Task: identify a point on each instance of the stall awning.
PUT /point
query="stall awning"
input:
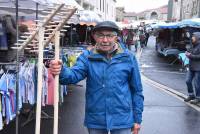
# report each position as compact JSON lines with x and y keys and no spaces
{"x":30,"y":4}
{"x":27,"y":9}
{"x":88,"y":17}
{"x":195,"y":22}
{"x":164,"y":25}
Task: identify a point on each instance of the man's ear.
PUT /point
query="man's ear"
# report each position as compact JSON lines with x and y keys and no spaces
{"x":93,"y":35}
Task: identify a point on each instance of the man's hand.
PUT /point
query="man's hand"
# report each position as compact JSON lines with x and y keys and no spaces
{"x":136,"y":128}
{"x":187,"y":54}
{"x":55,"y":67}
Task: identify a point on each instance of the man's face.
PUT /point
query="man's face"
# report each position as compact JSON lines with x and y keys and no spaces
{"x":194,"y":40}
{"x":105,"y":39}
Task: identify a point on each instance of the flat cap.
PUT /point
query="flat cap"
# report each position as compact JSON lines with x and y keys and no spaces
{"x":106,"y":25}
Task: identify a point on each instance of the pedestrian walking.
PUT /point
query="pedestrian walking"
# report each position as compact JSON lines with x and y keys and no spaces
{"x":114,"y":93}
{"x":194,"y":70}
{"x":141,"y":37}
{"x":124,"y":34}
{"x":136,"y":40}
{"x":129,"y":40}
{"x":146,"y":38}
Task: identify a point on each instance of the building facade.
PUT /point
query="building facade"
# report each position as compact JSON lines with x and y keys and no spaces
{"x":151,"y":14}
{"x":176,"y":10}
{"x":184,"y":9}
{"x":157,"y":14}
{"x":130,"y":16}
{"x":190,"y":9}
{"x":120,"y":14}
{"x":104,"y":8}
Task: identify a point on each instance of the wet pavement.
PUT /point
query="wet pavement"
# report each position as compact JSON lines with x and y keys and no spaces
{"x":165,"y":114}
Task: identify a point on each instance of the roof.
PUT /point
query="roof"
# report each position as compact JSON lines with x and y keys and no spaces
{"x":162,"y":9}
{"x":130,"y":14}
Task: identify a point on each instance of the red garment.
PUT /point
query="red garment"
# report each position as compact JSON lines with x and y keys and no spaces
{"x":50,"y":98}
{"x":129,"y":40}
{"x":12,"y":101}
{"x":124,"y":32}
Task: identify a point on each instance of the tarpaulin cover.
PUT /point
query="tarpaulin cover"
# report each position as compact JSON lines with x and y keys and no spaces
{"x":195,"y":22}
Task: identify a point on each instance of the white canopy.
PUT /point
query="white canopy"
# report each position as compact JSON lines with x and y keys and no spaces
{"x":89,"y":17}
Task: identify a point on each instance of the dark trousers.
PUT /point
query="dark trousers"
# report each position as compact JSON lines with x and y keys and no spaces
{"x":190,"y":77}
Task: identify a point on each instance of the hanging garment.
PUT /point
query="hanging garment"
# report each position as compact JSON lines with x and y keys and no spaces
{"x":9,"y":116}
{"x":50,"y":97}
{"x":6,"y":103}
{"x":30,"y":84}
{"x":22,"y":84}
{"x":10,"y":98}
{"x":12,"y":92}
{"x":1,"y":118}
{"x":3,"y":84}
{"x":26,"y":83}
{"x":44,"y":86}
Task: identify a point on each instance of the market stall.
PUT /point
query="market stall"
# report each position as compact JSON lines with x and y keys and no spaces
{"x":173,"y":39}
{"x":79,"y":33}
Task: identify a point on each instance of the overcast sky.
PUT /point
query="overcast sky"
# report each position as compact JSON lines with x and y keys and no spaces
{"x":140,"y":5}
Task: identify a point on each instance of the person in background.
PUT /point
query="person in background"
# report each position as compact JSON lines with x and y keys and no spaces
{"x":135,"y":40}
{"x":124,"y":34}
{"x":120,"y":40}
{"x":114,"y":92}
{"x":129,"y":40}
{"x":141,"y":37}
{"x":194,"y":70}
{"x":10,"y":26}
{"x":146,"y":38}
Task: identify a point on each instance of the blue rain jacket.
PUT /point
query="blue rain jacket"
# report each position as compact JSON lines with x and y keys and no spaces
{"x":114,"y":97}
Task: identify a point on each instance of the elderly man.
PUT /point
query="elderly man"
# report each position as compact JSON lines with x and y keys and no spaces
{"x":114,"y":98}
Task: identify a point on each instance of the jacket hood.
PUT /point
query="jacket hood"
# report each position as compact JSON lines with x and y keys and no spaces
{"x":197,"y":36}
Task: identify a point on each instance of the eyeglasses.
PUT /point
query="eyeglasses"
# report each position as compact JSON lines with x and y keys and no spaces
{"x":108,"y":36}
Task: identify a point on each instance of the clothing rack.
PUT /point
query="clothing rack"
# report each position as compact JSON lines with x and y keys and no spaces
{"x":17,"y":118}
{"x":46,"y":31}
{"x":43,"y":30}
{"x":32,"y":112}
